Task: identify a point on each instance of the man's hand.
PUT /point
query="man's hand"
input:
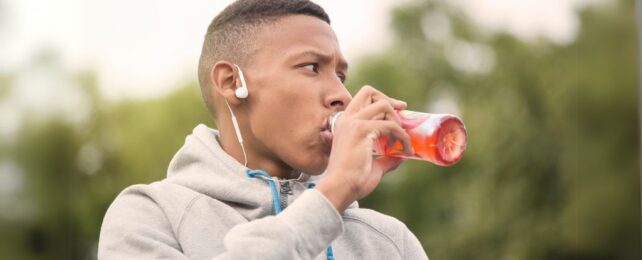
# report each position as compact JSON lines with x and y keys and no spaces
{"x":352,"y":172}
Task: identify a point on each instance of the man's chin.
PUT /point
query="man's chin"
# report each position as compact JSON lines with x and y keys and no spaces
{"x":315,"y":171}
{"x":311,"y":162}
{"x":316,"y":168}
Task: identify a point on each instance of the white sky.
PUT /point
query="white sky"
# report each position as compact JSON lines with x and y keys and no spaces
{"x":143,"y":48}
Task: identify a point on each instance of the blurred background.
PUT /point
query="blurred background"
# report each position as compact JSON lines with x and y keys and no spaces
{"x":98,"y":95}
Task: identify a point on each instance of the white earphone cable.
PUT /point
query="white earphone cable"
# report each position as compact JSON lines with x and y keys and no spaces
{"x":239,"y":137}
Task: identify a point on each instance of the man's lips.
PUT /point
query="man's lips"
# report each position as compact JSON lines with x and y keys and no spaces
{"x":327,"y":137}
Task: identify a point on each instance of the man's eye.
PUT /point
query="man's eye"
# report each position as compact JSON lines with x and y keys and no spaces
{"x":342,"y":78}
{"x":312,"y":66}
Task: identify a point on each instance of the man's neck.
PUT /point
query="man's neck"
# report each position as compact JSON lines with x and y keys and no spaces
{"x":255,"y":160}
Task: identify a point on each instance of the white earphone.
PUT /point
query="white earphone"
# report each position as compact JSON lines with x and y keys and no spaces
{"x":242,"y":91}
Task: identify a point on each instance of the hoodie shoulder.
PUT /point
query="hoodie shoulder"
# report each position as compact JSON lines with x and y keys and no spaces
{"x":375,"y":220}
{"x":389,"y":230}
{"x":171,"y":200}
{"x":143,"y":221}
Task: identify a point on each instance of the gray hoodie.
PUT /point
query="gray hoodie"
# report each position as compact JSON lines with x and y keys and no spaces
{"x":212,"y":207}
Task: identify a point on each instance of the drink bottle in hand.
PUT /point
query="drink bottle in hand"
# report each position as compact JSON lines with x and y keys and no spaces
{"x":437,"y":138}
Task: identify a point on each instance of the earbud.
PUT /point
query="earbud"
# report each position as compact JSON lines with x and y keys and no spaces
{"x":242,"y":91}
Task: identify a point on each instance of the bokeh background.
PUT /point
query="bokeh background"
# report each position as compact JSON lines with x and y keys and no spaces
{"x":98,"y":95}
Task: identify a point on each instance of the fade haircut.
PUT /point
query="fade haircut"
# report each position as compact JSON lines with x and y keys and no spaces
{"x":229,"y":36}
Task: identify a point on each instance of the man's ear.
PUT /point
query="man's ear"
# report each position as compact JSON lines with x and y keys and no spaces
{"x":224,"y":79}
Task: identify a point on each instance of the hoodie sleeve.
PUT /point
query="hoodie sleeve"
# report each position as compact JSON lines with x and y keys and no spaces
{"x":301,"y":231}
{"x":135,"y":227}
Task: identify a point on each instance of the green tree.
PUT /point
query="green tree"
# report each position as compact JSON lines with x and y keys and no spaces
{"x":552,"y":166}
{"x":73,"y":171}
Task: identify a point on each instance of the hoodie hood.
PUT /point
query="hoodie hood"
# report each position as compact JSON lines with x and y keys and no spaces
{"x":203,"y":166}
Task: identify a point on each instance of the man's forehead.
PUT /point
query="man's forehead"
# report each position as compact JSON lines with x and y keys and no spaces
{"x":296,"y":24}
{"x":298,"y":35}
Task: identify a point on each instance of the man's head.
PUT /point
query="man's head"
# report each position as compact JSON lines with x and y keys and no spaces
{"x":294,"y":72}
{"x":231,"y":35}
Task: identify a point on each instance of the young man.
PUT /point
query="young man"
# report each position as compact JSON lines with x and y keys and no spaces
{"x":271,"y":73}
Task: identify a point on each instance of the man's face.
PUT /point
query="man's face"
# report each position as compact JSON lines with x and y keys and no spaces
{"x":295,"y":83}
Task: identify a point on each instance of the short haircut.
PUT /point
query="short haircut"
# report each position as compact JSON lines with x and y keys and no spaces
{"x":229,"y":36}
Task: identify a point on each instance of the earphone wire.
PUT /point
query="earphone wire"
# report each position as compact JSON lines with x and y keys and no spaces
{"x":238,"y":133}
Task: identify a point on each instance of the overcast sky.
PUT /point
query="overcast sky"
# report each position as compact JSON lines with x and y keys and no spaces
{"x":142,"y":48}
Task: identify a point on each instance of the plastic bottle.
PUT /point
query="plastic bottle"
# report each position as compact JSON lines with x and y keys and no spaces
{"x":437,"y":138}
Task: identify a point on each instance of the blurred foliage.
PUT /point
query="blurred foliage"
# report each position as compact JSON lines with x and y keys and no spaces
{"x":553,"y":162}
{"x":551,"y":172}
{"x":74,"y":171}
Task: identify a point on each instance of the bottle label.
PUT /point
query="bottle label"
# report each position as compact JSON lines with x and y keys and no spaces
{"x":412,"y":119}
{"x":419,"y":123}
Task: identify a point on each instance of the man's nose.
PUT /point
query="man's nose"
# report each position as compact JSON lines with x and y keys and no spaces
{"x":338,"y":98}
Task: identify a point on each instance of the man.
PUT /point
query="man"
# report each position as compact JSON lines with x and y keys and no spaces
{"x":271,"y":74}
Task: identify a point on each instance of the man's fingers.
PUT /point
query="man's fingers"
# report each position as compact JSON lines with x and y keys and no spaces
{"x":398,"y":104}
{"x":387,"y":164}
{"x":368,"y":95}
{"x":380,"y":110}
{"x":392,"y":130}
{"x":396,"y":132}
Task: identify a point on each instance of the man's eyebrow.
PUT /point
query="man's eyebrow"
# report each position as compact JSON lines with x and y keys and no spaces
{"x":343,"y":65}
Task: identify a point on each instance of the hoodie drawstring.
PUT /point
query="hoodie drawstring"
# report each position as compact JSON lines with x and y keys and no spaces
{"x":275,"y":199}
{"x":275,"y":194}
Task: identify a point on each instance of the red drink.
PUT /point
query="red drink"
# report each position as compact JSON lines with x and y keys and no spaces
{"x":437,"y":138}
